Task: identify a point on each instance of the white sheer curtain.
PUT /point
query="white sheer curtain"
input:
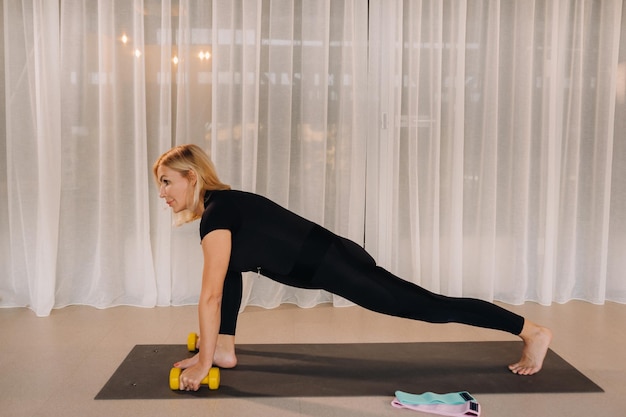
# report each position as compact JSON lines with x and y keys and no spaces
{"x":273,"y":89}
{"x":496,"y":147}
{"x":474,"y":147}
{"x":31,"y":180}
{"x":281,"y":107}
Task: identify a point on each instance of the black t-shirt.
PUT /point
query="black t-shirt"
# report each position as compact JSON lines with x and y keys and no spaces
{"x":265,"y":236}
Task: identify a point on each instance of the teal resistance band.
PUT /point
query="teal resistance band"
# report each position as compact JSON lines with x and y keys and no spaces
{"x":452,"y":398}
{"x":456,"y":404}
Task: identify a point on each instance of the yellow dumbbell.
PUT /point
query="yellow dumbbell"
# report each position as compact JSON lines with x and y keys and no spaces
{"x":212,"y":379}
{"x":192,"y":342}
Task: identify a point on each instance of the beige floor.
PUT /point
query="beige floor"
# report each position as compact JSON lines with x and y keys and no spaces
{"x":55,"y":366}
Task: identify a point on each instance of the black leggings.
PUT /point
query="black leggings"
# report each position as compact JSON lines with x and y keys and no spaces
{"x":347,"y":270}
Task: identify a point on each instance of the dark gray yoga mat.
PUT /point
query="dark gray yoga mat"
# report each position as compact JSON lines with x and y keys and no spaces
{"x":344,"y":370}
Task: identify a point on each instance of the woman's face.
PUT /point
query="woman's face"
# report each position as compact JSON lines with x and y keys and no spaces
{"x":174,"y":188}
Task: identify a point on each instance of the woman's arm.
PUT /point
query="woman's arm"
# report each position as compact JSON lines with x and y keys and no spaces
{"x":216,"y":247}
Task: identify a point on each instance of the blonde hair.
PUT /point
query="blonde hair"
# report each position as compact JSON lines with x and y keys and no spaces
{"x":186,"y":159}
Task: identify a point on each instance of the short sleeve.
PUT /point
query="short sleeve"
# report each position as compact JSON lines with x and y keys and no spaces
{"x":219,"y":215}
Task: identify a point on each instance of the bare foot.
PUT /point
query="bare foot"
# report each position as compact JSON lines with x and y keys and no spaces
{"x":224,"y":360}
{"x":536,"y":341}
{"x":224,"y":355}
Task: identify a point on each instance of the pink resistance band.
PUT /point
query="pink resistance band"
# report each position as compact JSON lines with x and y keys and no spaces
{"x":463,"y":404}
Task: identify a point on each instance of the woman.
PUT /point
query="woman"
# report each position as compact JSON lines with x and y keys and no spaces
{"x":242,"y":231}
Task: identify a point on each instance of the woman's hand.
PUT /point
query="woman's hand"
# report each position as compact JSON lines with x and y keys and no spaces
{"x":194,"y":372}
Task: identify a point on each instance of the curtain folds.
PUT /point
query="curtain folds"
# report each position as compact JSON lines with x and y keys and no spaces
{"x":32,"y":178}
{"x":474,"y":148}
{"x":497,"y":125}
